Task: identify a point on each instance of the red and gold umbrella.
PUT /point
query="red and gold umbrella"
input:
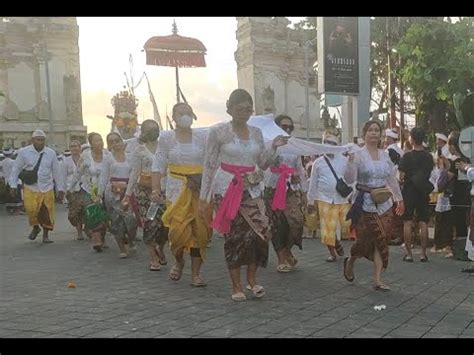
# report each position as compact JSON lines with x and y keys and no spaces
{"x":175,"y":51}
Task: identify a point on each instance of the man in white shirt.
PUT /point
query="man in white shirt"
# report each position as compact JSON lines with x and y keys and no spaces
{"x":442,"y":145}
{"x":39,"y":186}
{"x":332,"y":206}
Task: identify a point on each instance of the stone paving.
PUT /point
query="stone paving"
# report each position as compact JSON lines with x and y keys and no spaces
{"x":121,"y":298}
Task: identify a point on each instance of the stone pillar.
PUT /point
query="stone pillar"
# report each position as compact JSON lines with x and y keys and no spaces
{"x":270,"y":56}
{"x":23,"y":78}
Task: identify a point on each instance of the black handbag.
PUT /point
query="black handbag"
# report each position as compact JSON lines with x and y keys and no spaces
{"x":30,"y":177}
{"x":341,"y":187}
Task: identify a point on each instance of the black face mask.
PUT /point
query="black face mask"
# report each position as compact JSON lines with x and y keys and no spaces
{"x":151,"y":135}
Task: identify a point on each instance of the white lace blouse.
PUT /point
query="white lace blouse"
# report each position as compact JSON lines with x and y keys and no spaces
{"x":114,"y":169}
{"x":224,"y":146}
{"x":141,"y":161}
{"x":373,"y":173}
{"x":291,"y":160}
{"x":88,"y":172}
{"x":170,"y":151}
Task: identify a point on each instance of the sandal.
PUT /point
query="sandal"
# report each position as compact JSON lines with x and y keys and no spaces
{"x":48,"y":241}
{"x":408,"y":258}
{"x":176,"y":271}
{"x":340,"y":249}
{"x":34,"y":233}
{"x":258,"y":291}
{"x":239,"y":296}
{"x":382,"y":287}
{"x":424,"y":259}
{"x":198,"y":281}
{"x":155,"y":267}
{"x":161,"y":256}
{"x":284,"y":268}
{"x":122,"y":255}
{"x":331,"y":259}
{"x":348,"y":278}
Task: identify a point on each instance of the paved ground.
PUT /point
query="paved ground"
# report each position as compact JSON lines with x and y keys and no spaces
{"x":121,"y":298}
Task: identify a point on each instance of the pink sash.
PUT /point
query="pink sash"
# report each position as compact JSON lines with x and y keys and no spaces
{"x":233,"y":196}
{"x":279,"y":199}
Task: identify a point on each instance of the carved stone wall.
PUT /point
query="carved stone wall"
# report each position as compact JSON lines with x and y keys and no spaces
{"x":23,"y":43}
{"x":269,"y":56}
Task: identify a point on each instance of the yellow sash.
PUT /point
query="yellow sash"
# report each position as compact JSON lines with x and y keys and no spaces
{"x":179,"y":210}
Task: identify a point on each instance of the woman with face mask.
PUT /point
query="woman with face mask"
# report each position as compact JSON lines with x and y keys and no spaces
{"x":179,"y":158}
{"x":113,"y":185}
{"x":284,"y":198}
{"x":233,"y":175}
{"x":155,"y":234}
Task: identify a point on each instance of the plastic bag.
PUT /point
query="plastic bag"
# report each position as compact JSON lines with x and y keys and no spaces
{"x":95,"y":214}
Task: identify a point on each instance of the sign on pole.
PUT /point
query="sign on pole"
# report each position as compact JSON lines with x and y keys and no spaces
{"x":338,"y":55}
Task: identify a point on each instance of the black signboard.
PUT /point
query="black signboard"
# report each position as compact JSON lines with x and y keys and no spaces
{"x":341,"y":55}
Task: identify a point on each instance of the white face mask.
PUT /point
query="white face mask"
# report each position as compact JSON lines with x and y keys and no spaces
{"x":184,"y":121}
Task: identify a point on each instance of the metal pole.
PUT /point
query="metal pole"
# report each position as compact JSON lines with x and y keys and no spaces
{"x":177,"y":86}
{"x":48,"y":87}
{"x":306,"y":77}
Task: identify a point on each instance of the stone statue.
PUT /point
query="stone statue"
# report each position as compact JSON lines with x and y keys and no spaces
{"x":268,"y":98}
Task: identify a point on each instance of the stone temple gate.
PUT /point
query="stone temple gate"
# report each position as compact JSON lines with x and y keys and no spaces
{"x":271,"y":67}
{"x":24,"y":108}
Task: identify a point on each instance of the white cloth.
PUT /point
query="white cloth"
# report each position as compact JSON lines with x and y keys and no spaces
{"x":88,"y":172}
{"x":131,"y":144}
{"x":373,"y":173}
{"x":445,"y":151}
{"x":298,"y":146}
{"x":69,"y":167}
{"x":170,"y":151}
{"x":397,"y":148}
{"x":322,"y":183}
{"x":142,"y":161}
{"x":293,"y":161}
{"x":224,"y":145}
{"x":267,"y":125}
{"x":48,"y":171}
{"x":114,"y":169}
{"x":7,"y":166}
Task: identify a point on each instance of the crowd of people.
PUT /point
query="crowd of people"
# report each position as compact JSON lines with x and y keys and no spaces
{"x":180,"y":186}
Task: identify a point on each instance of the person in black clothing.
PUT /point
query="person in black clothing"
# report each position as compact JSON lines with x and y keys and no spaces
{"x":460,"y":194}
{"x":415,"y":170}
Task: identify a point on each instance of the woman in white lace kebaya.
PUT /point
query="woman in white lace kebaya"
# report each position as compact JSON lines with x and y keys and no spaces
{"x":285,"y":200}
{"x":372,"y":168}
{"x":85,"y":180}
{"x":235,"y":152}
{"x":155,"y":234}
{"x":113,"y":184}
{"x":180,"y":157}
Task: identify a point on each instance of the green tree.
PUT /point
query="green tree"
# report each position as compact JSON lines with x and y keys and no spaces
{"x":439,"y":72}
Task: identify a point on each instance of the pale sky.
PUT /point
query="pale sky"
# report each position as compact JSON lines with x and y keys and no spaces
{"x":106,"y":42}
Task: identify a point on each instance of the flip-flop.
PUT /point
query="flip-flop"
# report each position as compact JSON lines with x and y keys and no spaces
{"x":239,"y":296}
{"x":408,"y":259}
{"x":424,"y":259}
{"x":350,"y":279}
{"x":176,"y":271}
{"x":198,"y":282}
{"x":284,"y":268}
{"x":154,"y":267}
{"x":48,"y":241}
{"x":258,"y":291}
{"x":34,"y":233}
{"x":382,"y":287}
{"x":331,"y":259}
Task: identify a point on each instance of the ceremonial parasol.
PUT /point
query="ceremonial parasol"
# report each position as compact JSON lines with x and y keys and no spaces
{"x":175,"y":51}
